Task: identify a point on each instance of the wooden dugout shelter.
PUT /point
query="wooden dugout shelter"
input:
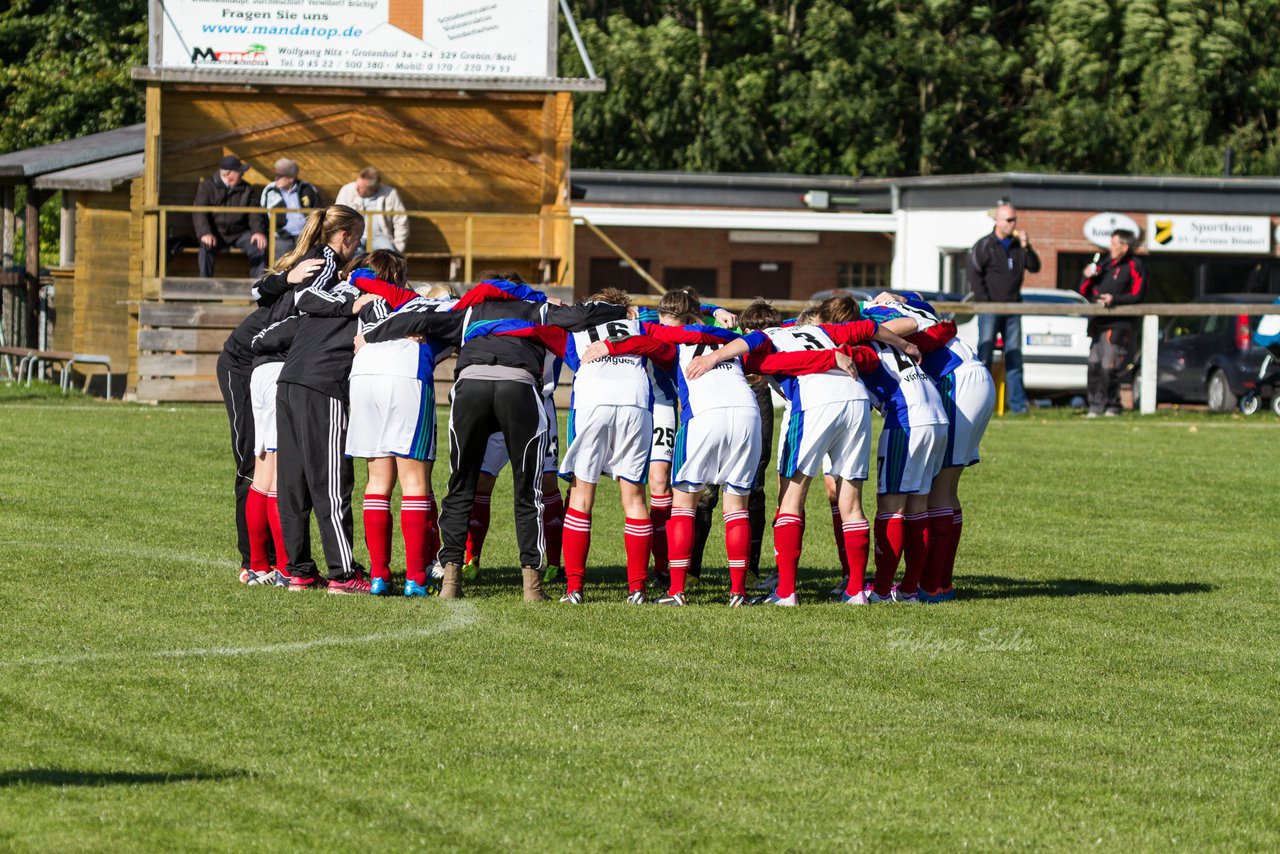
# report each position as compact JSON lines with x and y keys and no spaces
{"x":481,"y":164}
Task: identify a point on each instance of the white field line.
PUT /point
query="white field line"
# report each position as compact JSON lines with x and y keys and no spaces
{"x":460,"y":616}
{"x":103,"y":407}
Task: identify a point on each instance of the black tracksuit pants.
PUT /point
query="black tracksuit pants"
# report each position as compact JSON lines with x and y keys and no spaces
{"x":235,"y":394}
{"x":481,"y":408}
{"x":314,"y":473}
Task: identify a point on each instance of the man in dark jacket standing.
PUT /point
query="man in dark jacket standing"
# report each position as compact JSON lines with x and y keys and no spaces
{"x":247,"y":232}
{"x":1119,"y":280}
{"x":997,"y":263}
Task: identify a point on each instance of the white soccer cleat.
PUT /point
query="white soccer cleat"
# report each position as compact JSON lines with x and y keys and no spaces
{"x":859,"y":598}
{"x":781,"y":601}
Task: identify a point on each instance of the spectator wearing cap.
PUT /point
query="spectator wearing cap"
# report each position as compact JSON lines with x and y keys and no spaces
{"x":368,"y":193}
{"x":217,"y":231}
{"x":289,"y":192}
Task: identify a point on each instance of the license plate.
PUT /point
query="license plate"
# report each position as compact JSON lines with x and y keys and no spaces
{"x":1049,"y":340}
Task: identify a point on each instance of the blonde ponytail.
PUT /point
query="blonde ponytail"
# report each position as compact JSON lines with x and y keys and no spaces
{"x":319,"y":230}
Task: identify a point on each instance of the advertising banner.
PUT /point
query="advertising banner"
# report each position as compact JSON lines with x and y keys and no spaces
{"x":401,"y":38}
{"x":1099,"y":227}
{"x":1248,"y":235}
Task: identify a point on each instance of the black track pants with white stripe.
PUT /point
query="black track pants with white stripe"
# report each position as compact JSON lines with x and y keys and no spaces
{"x":235,"y":394}
{"x":313,"y":473}
{"x":480,"y":409}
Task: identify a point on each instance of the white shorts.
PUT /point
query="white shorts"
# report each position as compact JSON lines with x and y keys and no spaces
{"x":969,"y":397}
{"x":495,"y":453}
{"x":910,"y":458}
{"x":720,"y":446}
{"x":664,"y":433}
{"x":840,"y":432}
{"x":392,"y":417}
{"x":609,"y":440}
{"x":262,"y":396}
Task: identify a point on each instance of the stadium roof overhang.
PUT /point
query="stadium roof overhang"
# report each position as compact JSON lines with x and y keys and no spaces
{"x":747,"y":220}
{"x":19,"y":167}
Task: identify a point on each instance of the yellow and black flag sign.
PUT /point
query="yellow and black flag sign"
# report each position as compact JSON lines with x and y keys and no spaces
{"x":1164,"y":232}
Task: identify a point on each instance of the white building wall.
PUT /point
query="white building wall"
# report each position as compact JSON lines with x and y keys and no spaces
{"x":924,"y":236}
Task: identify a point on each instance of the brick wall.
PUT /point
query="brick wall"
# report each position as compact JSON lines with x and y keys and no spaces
{"x":813,"y":268}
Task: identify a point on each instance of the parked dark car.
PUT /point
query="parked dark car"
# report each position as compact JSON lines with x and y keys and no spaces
{"x":1210,"y":359}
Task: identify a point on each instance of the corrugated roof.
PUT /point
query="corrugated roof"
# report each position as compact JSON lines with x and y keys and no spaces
{"x":101,"y":177}
{"x":16,"y":166}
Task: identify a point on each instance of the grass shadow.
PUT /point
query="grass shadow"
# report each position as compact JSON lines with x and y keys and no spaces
{"x":60,"y":777}
{"x":1001,"y":587}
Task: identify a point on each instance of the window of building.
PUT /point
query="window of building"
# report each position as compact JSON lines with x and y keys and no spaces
{"x":616,"y":273}
{"x":856,"y":274}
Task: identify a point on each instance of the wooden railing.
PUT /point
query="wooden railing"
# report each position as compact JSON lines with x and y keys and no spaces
{"x":463,"y":235}
{"x":1149,"y":312}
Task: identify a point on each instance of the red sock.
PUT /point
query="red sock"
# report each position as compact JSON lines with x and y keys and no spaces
{"x":277,"y":533}
{"x":679,"y":545}
{"x":837,"y":527}
{"x":948,"y":568}
{"x":553,"y":525}
{"x":737,"y":545}
{"x":889,"y":536}
{"x":433,"y":527}
{"x":414,"y":518}
{"x":638,"y":536}
{"x":256,"y":517}
{"x":940,"y":524}
{"x":788,"y":535}
{"x":659,"y":513}
{"x":377,"y":534}
{"x":916,"y":547}
{"x":857,"y":542}
{"x":478,"y":527}
{"x":577,"y":542}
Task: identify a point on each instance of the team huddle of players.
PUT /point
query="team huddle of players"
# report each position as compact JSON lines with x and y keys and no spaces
{"x":660,"y":403}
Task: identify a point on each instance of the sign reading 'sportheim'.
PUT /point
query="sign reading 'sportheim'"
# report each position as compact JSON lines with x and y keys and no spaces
{"x":1247,"y":235}
{"x":399,"y":38}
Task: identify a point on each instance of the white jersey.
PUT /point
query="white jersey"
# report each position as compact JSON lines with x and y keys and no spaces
{"x":903,"y":392}
{"x":612,"y":380}
{"x":722,"y":387}
{"x":402,"y":357}
{"x":812,"y":390}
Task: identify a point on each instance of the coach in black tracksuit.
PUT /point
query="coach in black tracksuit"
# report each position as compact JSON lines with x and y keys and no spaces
{"x":498,"y":388}
{"x":235,"y":367}
{"x":1119,"y":280}
{"x":313,"y":472}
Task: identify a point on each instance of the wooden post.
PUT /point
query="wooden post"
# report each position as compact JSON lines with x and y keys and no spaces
{"x":154,"y":240}
{"x":9,"y":229}
{"x":31,"y":239}
{"x":466,"y":249}
{"x":1150,"y":363}
{"x":67,"y":230}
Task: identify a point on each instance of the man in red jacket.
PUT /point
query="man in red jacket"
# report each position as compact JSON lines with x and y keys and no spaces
{"x":1119,"y":280}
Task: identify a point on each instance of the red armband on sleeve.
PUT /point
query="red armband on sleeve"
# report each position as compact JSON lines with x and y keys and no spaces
{"x":935,"y":337}
{"x":850,"y":333}
{"x":865,"y":359}
{"x":395,"y":295}
{"x":660,"y":353}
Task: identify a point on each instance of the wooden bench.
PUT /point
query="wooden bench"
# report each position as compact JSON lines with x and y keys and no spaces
{"x":29,"y":358}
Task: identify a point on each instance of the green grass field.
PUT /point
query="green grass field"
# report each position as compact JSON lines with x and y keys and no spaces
{"x":1108,"y":678}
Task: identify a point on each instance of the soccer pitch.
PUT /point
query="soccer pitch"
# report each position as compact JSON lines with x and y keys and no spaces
{"x":1108,"y":677}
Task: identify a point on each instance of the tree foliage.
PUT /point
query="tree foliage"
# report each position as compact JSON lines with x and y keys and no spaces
{"x":64,"y":68}
{"x":857,"y":87}
{"x":883,"y":87}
